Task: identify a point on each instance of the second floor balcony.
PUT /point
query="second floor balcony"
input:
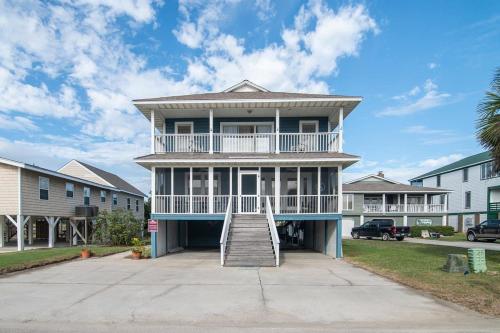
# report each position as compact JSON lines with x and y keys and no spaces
{"x":247,"y":143}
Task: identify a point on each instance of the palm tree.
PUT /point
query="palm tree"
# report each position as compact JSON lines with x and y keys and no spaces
{"x":488,"y":124}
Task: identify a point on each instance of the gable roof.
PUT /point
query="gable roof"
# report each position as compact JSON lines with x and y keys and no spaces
{"x":248,"y":84}
{"x":113,"y":179}
{"x":460,"y":164}
{"x":381,"y":187}
{"x":373,"y":176}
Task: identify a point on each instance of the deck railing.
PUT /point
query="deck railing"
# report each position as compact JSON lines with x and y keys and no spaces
{"x":245,"y":204}
{"x":400,"y":208}
{"x":225,"y":231}
{"x":247,"y":143}
{"x":273,"y":230}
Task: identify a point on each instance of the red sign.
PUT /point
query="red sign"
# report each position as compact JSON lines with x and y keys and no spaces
{"x":152,"y":226}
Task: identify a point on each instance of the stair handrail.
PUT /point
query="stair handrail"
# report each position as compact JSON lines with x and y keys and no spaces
{"x":274,"y":231}
{"x":225,"y":231}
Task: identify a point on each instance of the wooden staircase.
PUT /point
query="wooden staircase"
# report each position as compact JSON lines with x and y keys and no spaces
{"x":249,"y":242}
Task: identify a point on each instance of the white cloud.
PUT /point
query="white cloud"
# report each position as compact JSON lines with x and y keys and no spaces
{"x":432,"y":65}
{"x":418,"y":99}
{"x":440,"y":161}
{"x":17,"y":123}
{"x":432,"y":136}
{"x":308,"y":52}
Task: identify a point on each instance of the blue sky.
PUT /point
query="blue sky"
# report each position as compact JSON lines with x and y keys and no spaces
{"x":69,"y":69}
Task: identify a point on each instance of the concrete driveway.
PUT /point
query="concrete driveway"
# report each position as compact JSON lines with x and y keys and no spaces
{"x":190,"y":292}
{"x":464,"y":244}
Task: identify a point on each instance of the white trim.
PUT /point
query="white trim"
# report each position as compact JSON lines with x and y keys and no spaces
{"x":66,"y":190}
{"x":253,"y":101}
{"x":373,"y":176}
{"x":183,"y":123}
{"x":315,"y":122}
{"x":246,"y":83}
{"x":254,"y":123}
{"x":257,"y":189}
{"x":241,"y":160}
{"x":48,"y":187}
{"x":92,"y":172}
{"x":409,"y":192}
{"x":90,"y":194}
{"x":19,"y":192}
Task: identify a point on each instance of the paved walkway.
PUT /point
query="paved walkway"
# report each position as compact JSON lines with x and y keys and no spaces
{"x":190,"y":292}
{"x":467,"y":245}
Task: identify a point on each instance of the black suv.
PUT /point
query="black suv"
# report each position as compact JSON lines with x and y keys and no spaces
{"x":383,"y":228}
{"x":488,"y":230}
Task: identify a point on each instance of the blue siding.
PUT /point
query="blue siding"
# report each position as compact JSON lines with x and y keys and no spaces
{"x":287,"y":124}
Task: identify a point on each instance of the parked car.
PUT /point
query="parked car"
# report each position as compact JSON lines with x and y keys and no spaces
{"x":488,"y":230}
{"x":384,"y":228}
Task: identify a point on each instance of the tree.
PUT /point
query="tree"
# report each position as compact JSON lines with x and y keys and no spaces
{"x":488,"y":124}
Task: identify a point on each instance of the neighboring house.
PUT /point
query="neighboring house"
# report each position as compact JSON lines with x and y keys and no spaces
{"x":126,"y":197}
{"x":37,"y":203}
{"x":242,"y":146}
{"x":475,"y":186}
{"x":375,"y":196}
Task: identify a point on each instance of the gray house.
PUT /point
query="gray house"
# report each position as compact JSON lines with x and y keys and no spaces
{"x":375,"y":196}
{"x":41,"y":204}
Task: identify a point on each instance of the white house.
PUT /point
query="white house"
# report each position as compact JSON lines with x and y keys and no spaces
{"x":247,"y":170}
{"x":475,"y":186}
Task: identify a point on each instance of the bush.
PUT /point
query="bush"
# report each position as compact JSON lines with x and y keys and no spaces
{"x":416,"y":231}
{"x":117,"y":228}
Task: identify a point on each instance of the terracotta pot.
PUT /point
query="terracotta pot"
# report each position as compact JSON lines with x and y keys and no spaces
{"x":85,"y":254}
{"x":136,"y":255}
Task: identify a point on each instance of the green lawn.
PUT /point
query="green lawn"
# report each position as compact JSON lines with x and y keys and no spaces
{"x":457,"y":237}
{"x":419,"y":266}
{"x":14,"y":261}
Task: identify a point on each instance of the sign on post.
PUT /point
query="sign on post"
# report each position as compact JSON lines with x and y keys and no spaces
{"x":152,"y":226}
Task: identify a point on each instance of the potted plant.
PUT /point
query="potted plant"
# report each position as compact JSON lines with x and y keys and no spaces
{"x":85,"y":254}
{"x":138,"y":248}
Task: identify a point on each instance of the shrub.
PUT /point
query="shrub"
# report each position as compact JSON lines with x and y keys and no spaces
{"x":416,"y":231}
{"x":117,"y":228}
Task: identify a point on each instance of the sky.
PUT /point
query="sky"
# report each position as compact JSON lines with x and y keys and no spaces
{"x":69,"y":70}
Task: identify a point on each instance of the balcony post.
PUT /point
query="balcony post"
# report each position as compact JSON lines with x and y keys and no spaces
{"x":339,"y":190}
{"x":383,"y":202}
{"x":277,"y":135}
{"x":298,"y":190}
{"x":211,"y":130}
{"x":153,"y":189}
{"x":406,"y":203}
{"x":341,"y":129}
{"x":277,"y":189}
{"x":190,"y":190}
{"x":171,"y":190}
{"x":445,"y":206}
{"x":231,"y":186}
{"x":152,"y":131}
{"x":319,"y":190}
{"x":210,"y":190}
{"x":425,"y":203}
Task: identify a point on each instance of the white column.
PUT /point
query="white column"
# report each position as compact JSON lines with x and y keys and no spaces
{"x":425,"y":203}
{"x":190,"y":190}
{"x":399,"y":201}
{"x":341,"y":129}
{"x":406,"y":202}
{"x":211,"y":131}
{"x":20,"y":233}
{"x":30,"y":232}
{"x":277,"y":189}
{"x":405,"y":220}
{"x":277,"y":138}
{"x":153,"y":190}
{"x":210,"y":190}
{"x":152,"y":131}
{"x":361,"y":220}
{"x":172,"y":190}
{"x":2,"y":231}
{"x":231,"y":185}
{"x":383,"y":203}
{"x":319,"y":190}
{"x":298,"y":190}
{"x":445,"y":208}
{"x":50,"y":222}
{"x":339,"y":186}
{"x":443,"y":223}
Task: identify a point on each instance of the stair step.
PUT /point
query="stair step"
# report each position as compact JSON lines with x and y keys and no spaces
{"x":267,"y":263}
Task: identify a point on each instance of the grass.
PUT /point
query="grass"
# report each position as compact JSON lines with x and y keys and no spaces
{"x":419,"y":266}
{"x":457,"y":237}
{"x":15,"y":261}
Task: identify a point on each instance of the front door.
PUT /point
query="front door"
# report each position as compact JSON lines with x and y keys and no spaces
{"x":248,"y":192}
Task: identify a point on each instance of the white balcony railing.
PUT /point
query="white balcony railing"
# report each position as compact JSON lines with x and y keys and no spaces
{"x":245,"y":204}
{"x":247,"y":143}
{"x":400,"y":208}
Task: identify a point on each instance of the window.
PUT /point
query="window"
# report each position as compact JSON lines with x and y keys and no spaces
{"x":136,"y":205}
{"x":128,"y":203}
{"x":43,"y":185}
{"x":86,"y":196}
{"x":467,"y":199}
{"x":348,"y":200}
{"x":488,"y":170}
{"x":438,"y":180}
{"x":465,"y":175}
{"x":115,"y":199}
{"x":103,"y":196}
{"x":70,"y":190}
